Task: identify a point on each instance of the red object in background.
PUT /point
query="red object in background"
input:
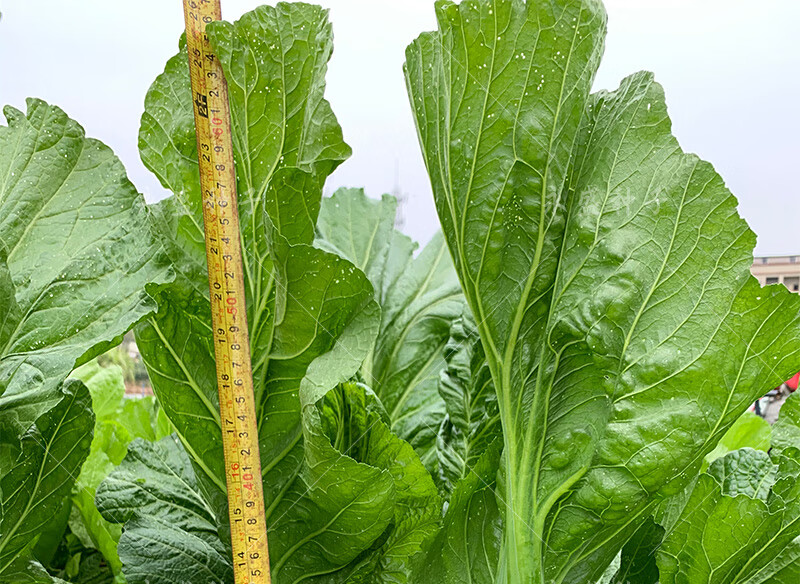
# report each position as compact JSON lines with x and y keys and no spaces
{"x":792,"y":383}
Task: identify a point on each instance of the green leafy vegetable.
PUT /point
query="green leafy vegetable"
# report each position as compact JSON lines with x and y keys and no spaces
{"x":739,"y":523}
{"x":750,"y":431}
{"x":51,"y":453}
{"x":419,"y":298}
{"x":78,"y":254}
{"x":473,"y":419}
{"x":565,"y":358}
{"x":608,"y":272}
{"x":118,"y":422}
{"x":334,"y":510}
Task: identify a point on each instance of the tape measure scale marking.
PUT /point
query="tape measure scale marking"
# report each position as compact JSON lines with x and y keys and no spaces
{"x":228,"y":304}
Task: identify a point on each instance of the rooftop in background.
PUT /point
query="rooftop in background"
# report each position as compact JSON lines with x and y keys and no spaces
{"x":778,"y":270}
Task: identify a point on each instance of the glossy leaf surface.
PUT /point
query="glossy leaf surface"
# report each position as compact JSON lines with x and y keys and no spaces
{"x":739,"y":524}
{"x":608,"y":272}
{"x":78,"y":250}
{"x":312,"y":315}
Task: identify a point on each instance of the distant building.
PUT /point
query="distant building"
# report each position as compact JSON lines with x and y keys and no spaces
{"x":778,"y":270}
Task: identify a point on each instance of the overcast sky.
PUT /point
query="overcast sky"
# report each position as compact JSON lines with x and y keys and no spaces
{"x":730,"y":69}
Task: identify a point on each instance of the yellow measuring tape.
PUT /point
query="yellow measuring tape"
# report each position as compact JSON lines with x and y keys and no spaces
{"x":212,"y":121}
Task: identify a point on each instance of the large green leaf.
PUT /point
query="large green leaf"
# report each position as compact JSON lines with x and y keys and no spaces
{"x":419,"y":299}
{"x":117,"y":423}
{"x":79,"y":253}
{"x":170,"y":530}
{"x":32,"y":493}
{"x":311,"y":313}
{"x":739,"y":525}
{"x":608,"y":272}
